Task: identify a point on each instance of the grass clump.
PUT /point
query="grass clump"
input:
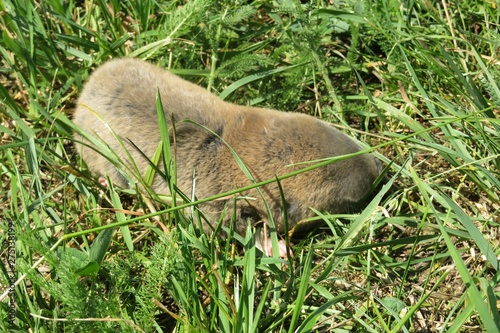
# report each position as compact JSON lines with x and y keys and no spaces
{"x":416,"y":80}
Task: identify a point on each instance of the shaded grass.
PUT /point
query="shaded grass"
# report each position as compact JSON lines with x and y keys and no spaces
{"x":417,"y":81}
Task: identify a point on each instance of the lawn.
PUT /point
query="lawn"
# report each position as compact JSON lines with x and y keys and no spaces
{"x":414,"y":82}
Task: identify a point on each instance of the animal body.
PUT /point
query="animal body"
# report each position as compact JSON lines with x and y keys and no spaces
{"x":119,"y":99}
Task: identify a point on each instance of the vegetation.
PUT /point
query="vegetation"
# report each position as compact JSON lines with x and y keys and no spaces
{"x":415,"y":80}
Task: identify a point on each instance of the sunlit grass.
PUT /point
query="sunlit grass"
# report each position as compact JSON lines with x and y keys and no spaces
{"x":417,"y":83}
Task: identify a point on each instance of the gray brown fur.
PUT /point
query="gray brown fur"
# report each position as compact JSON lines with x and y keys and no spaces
{"x":123,"y":93}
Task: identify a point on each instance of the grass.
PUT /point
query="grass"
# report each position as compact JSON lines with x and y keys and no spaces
{"x":417,"y":81}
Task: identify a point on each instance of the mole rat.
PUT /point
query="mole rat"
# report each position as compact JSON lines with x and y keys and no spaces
{"x":119,"y":99}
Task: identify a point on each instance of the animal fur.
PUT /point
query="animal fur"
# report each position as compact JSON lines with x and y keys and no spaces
{"x":120,"y":97}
